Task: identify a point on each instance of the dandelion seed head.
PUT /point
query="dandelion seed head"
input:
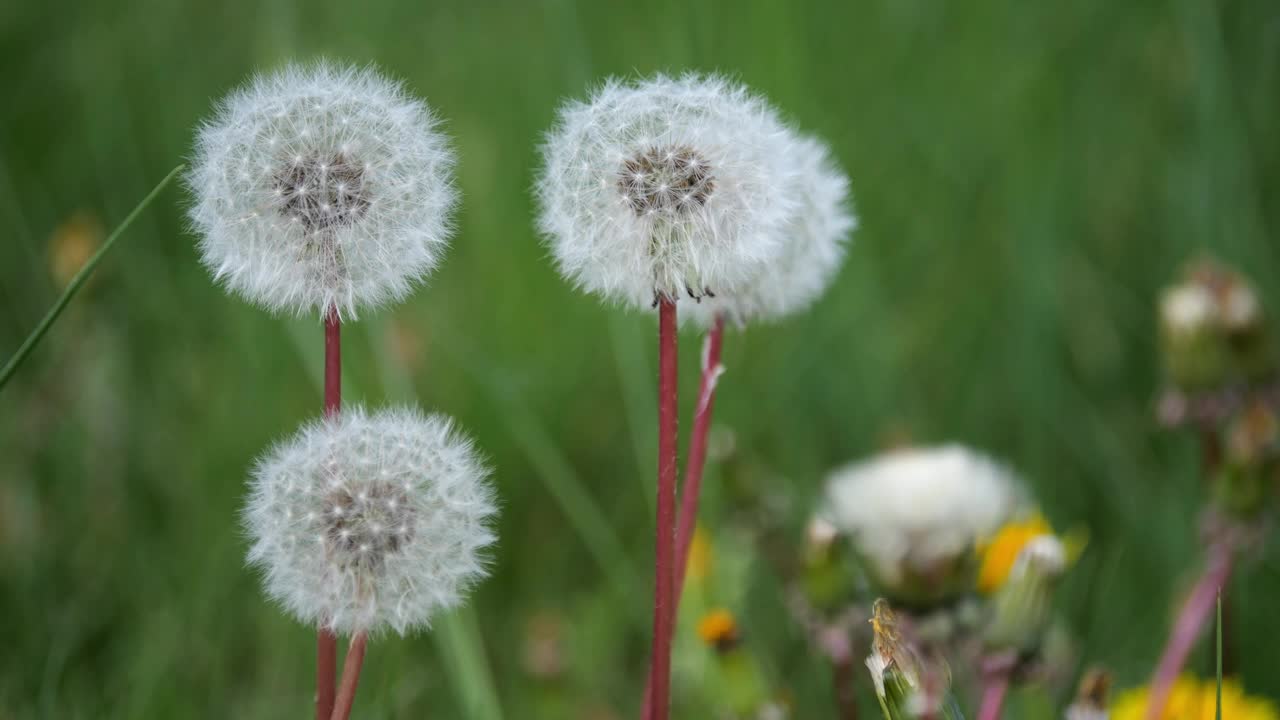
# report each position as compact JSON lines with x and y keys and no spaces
{"x":665,"y":186}
{"x":387,"y":554}
{"x":813,"y":242}
{"x":916,"y":515}
{"x":321,"y":187}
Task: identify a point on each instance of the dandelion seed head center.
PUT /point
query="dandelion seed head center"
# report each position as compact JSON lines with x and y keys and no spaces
{"x":365,"y":527}
{"x":322,"y":191}
{"x":669,"y":179}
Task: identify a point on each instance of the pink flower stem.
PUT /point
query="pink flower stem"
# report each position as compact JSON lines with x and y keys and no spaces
{"x":697,"y":460}
{"x":693,"y":468}
{"x":664,"y":545}
{"x":996,"y":673}
{"x":844,"y":682}
{"x":326,"y":641}
{"x":1191,"y":621}
{"x":350,"y":676}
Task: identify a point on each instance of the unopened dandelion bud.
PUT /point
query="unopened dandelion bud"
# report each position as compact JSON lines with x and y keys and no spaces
{"x":321,"y":188}
{"x":1021,"y":609}
{"x":1247,"y":476}
{"x":365,"y":522}
{"x":906,"y":686}
{"x":666,"y":188}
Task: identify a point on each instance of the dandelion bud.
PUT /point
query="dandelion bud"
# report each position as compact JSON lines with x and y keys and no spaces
{"x":665,"y":188}
{"x":321,"y":188}
{"x":906,"y":686}
{"x":916,"y":515}
{"x":814,"y":243}
{"x":1248,"y":473}
{"x":1022,"y":608}
{"x":1213,"y":330}
{"x":362,"y":522}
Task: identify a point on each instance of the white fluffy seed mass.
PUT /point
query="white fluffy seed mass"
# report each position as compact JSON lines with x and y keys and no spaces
{"x":319,"y":187}
{"x":666,"y":187}
{"x":367,"y":522}
{"x":814,"y":244}
{"x":909,"y":512}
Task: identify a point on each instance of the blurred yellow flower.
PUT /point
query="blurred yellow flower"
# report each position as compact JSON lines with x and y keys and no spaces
{"x":72,"y":244}
{"x":718,"y":628}
{"x":1193,"y":699}
{"x":699,"y":556}
{"x":1001,"y":551}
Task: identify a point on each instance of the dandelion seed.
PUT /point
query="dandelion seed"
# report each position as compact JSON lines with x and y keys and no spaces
{"x":363,"y":181}
{"x":357,"y":577}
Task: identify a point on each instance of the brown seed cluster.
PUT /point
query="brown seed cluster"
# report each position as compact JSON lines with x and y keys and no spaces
{"x":667,"y":179}
{"x":364,"y":527}
{"x":322,"y":192}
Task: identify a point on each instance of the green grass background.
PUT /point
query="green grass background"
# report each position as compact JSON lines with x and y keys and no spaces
{"x":1027,"y":176}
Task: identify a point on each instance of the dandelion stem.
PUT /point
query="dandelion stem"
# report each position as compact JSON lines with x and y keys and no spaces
{"x":350,"y":676}
{"x":696,"y":462}
{"x":996,"y":673}
{"x":664,"y":544}
{"x":77,"y":282}
{"x":326,"y":641}
{"x":694,"y":465}
{"x":1190,"y":622}
{"x":844,"y":682}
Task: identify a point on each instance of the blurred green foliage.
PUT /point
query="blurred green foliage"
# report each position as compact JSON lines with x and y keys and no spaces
{"x":1027,"y":176}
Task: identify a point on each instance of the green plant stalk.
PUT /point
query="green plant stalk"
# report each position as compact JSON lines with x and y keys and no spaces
{"x":77,"y":282}
{"x":1218,"y":708}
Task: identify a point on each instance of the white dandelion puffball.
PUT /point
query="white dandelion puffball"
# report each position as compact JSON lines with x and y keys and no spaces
{"x":321,"y":187}
{"x":814,"y":244}
{"x":913,"y":514}
{"x":363,"y":522}
{"x":666,"y":187}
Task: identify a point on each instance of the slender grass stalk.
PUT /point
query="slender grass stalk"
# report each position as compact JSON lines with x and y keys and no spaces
{"x":1191,"y":620}
{"x":350,"y":676}
{"x":664,"y":544}
{"x":997,"y":671}
{"x":1218,"y":707}
{"x":77,"y":282}
{"x":326,"y":641}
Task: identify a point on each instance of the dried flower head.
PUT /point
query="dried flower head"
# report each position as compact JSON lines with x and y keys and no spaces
{"x":370,"y":521}
{"x":814,"y":243}
{"x":916,"y":515}
{"x":666,"y":187}
{"x":321,"y":187}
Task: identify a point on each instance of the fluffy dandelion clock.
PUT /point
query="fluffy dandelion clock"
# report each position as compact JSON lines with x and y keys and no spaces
{"x":321,"y":188}
{"x":666,"y":187}
{"x":915,"y":516}
{"x":363,"y":522}
{"x":813,"y":241}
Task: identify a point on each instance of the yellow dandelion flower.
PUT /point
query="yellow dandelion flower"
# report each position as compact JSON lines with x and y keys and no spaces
{"x":718,"y":628}
{"x":1194,"y":699}
{"x":1002,"y":550}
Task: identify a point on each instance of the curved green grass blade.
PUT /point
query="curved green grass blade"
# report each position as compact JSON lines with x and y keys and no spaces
{"x":76,"y":282}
